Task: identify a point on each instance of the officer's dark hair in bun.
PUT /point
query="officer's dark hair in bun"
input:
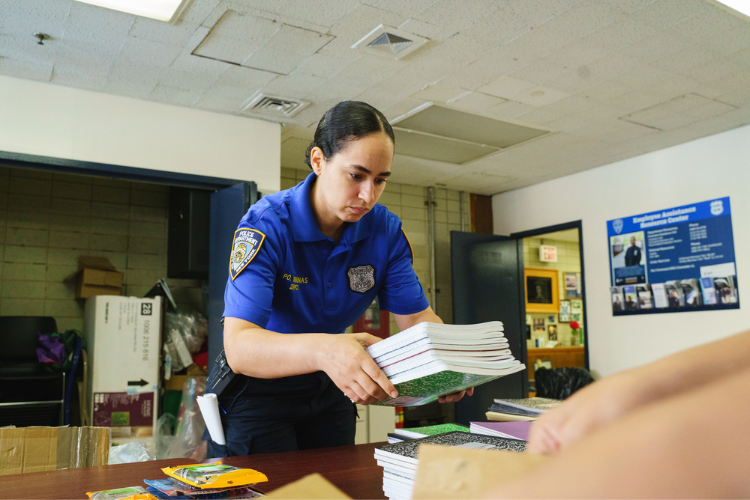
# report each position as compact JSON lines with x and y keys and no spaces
{"x":345,"y":122}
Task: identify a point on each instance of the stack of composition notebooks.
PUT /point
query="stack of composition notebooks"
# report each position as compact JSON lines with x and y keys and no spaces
{"x":511,"y":410}
{"x":512,"y":430}
{"x":399,"y":435}
{"x":430,"y":360}
{"x":399,"y":460}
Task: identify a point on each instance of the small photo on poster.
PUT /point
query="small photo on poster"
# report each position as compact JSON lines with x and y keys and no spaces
{"x":692,"y":291}
{"x":564,"y":315}
{"x":572,"y":285}
{"x":631,"y":297}
{"x":618,"y":302}
{"x":628,"y":259}
{"x":674,"y":294}
{"x":538,"y":324}
{"x":645,"y":300}
{"x":726,"y":290}
{"x":659,"y":292}
{"x":709,"y":292}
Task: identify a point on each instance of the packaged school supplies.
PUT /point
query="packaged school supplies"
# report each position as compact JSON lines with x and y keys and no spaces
{"x":172,"y":488}
{"x":215,"y":475}
{"x":129,"y":493}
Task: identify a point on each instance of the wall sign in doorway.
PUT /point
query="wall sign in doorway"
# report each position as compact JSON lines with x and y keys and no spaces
{"x":673,"y":260}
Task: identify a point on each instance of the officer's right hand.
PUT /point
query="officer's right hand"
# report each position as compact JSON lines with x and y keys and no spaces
{"x":345,"y":360}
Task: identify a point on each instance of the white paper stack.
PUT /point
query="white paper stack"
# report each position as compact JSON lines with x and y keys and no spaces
{"x":430,"y":360}
{"x":399,"y":460}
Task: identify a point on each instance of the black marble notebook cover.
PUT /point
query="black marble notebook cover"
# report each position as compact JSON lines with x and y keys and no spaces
{"x":408,"y":449}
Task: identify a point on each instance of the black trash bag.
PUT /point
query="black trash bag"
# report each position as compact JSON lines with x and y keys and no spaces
{"x":560,"y":383}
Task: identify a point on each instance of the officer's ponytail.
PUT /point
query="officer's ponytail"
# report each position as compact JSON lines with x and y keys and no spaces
{"x":345,"y":122}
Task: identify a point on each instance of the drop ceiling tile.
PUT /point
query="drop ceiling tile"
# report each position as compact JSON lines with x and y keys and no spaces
{"x":78,"y":77}
{"x":155,"y":53}
{"x":173,"y":95}
{"x":509,"y":110}
{"x":656,"y":46}
{"x":577,"y":53}
{"x":507,"y":87}
{"x":136,"y":90}
{"x":218,"y":104}
{"x":740,"y":97}
{"x":620,"y":34}
{"x":319,"y":13}
{"x":97,"y":26}
{"x":30,"y":70}
{"x":686,"y":58}
{"x":707,"y":24}
{"x":235,"y":37}
{"x":440,"y":92}
{"x":411,"y":8}
{"x":190,"y":72}
{"x":476,"y":102}
{"x":23,"y":48}
{"x":538,"y":12}
{"x":135,"y":72}
{"x":709,"y":108}
{"x":457,"y":17}
{"x":286,"y":49}
{"x":564,"y":107}
{"x":174,"y":34}
{"x":427,"y":30}
{"x":731,"y":41}
{"x":25,"y":18}
{"x":662,"y":15}
{"x":362,"y":20}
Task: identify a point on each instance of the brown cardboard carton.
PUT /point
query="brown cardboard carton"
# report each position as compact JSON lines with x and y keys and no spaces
{"x":36,"y":449}
{"x":96,"y":276}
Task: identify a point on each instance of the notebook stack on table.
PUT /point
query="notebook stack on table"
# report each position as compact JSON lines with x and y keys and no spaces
{"x":430,"y":360}
{"x":399,"y":435}
{"x":512,"y":410}
{"x":399,"y":460}
{"x":511,"y":430}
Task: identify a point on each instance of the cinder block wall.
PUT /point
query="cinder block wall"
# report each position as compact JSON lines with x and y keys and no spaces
{"x":409,"y":203}
{"x":48,"y":220}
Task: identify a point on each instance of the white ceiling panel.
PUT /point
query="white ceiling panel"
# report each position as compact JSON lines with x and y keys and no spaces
{"x":580,"y":68}
{"x":235,"y":37}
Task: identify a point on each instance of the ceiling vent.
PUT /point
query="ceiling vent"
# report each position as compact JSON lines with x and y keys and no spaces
{"x":270,"y":105}
{"x":390,"y":42}
{"x":449,"y":135}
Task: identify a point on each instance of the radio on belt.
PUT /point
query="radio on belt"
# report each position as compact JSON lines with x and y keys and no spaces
{"x":221,"y":377}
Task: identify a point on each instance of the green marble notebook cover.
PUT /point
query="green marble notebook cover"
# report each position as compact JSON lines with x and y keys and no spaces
{"x":427,"y":389}
{"x":432,"y":430}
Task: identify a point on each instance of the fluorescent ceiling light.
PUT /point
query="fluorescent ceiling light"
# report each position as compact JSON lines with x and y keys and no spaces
{"x":161,"y":10}
{"x":741,"y":6}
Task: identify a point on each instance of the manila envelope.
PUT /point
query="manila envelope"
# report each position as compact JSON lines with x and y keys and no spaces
{"x":465,"y":473}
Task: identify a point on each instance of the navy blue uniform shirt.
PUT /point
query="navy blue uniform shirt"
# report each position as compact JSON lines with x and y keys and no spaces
{"x":287,"y":277}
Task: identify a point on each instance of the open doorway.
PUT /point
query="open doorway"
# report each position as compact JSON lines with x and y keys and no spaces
{"x":554,"y":297}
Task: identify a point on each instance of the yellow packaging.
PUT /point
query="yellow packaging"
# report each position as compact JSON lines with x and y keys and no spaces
{"x":129,"y":493}
{"x":215,"y":475}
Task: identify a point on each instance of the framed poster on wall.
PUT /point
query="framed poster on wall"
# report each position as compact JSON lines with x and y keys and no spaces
{"x":564,"y":316}
{"x":542,"y":292}
{"x":673,"y":260}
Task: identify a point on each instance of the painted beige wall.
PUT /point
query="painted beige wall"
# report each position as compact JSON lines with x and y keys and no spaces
{"x":61,"y":122}
{"x":700,"y":170}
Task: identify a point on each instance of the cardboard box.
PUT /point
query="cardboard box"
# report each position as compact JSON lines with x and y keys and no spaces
{"x":96,"y":276}
{"x":35,"y":449}
{"x":123,"y":335}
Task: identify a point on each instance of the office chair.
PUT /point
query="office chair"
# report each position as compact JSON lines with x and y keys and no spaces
{"x":29,"y":394}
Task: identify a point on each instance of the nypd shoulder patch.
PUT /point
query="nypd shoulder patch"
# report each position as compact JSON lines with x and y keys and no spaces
{"x":245,"y":247}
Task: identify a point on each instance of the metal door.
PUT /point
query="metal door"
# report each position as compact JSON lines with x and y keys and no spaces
{"x":487,"y":277}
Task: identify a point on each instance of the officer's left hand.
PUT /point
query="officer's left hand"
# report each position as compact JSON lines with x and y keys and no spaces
{"x":456,"y":396}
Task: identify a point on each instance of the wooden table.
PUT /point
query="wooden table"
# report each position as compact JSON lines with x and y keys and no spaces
{"x":353,"y":469}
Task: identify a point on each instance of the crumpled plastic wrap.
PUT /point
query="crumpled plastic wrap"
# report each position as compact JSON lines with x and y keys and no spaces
{"x":185,"y":335}
{"x":128,"y":453}
{"x":185,"y":441}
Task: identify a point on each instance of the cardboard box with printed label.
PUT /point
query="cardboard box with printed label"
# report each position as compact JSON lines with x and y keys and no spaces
{"x":124,"y":345}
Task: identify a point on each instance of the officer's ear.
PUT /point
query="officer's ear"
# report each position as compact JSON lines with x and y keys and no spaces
{"x":317,"y":160}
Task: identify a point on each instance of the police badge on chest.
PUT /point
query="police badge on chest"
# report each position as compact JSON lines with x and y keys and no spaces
{"x":361,"y":278}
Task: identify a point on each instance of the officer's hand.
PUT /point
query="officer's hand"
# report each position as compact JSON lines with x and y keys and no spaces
{"x":344,"y":359}
{"x":456,"y":396}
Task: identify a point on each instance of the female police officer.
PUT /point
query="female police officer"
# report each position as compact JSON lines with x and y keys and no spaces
{"x":309,"y":261}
